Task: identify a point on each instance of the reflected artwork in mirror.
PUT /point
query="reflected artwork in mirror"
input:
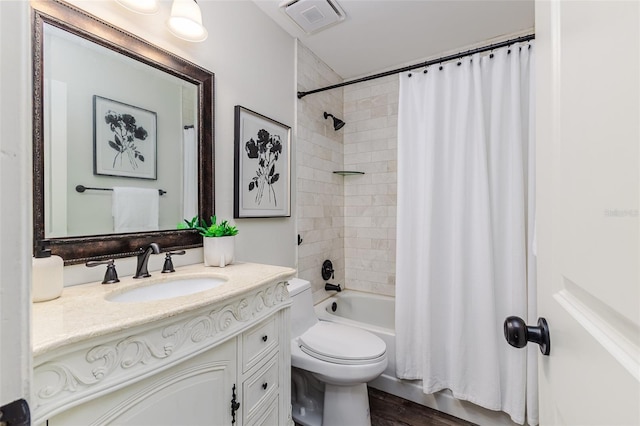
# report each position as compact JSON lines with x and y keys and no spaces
{"x":113,"y":111}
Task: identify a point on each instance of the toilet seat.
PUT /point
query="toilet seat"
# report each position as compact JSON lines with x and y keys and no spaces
{"x":341,"y":344}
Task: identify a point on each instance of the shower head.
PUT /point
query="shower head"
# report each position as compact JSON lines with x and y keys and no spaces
{"x":337,"y":123}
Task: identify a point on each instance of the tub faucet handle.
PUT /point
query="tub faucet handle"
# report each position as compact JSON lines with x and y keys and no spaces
{"x":327,"y":270}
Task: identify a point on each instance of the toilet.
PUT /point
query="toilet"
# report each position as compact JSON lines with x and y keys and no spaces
{"x":332,"y":364}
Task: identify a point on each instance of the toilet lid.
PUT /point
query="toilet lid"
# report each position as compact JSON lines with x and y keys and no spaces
{"x":341,"y":344}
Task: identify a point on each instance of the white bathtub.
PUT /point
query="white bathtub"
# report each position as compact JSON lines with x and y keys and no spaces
{"x":376,"y":314}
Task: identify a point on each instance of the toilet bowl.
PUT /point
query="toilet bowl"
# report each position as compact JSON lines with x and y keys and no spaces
{"x":336,"y":357}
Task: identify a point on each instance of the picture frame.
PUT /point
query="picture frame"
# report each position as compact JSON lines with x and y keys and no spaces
{"x":262,"y":166}
{"x":124,"y":140}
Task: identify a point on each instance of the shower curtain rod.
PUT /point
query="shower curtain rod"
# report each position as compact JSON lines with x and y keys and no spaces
{"x":422,"y":64}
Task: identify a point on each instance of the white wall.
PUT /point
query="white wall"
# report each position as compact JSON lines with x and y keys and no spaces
{"x":253,"y":60}
{"x":15,"y":201}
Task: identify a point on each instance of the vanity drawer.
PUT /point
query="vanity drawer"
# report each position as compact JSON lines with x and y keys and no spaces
{"x":257,"y":341}
{"x":261,"y":386}
{"x":266,"y":415}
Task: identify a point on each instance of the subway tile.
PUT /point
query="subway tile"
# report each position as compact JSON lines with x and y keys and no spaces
{"x":358,"y":222}
{"x":371,"y":124}
{"x":384,"y":133}
{"x":371,"y":233}
{"x":389,"y":88}
{"x":384,"y":154}
{"x":359,"y":115}
{"x":358,"y":158}
{"x":361,"y":243}
{"x":356,"y":137}
{"x":372,"y":276}
{"x":363,"y":104}
{"x":380,"y":111}
{"x":380,"y":100}
{"x":357,"y":94}
{"x":349,"y":106}
{"x":387,"y":177}
{"x":384,"y":200}
{"x":358,"y":200}
{"x":384,"y":289}
{"x":384,"y":222}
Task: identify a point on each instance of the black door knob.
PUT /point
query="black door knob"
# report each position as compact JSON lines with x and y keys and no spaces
{"x":518,"y":333}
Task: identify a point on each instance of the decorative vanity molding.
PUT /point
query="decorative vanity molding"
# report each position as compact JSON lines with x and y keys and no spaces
{"x":73,"y":374}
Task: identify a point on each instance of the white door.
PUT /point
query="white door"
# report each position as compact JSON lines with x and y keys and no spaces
{"x":15,"y":205}
{"x":588,"y":117}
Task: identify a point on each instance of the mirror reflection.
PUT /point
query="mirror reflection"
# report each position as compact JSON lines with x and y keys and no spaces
{"x":109,"y":116}
{"x":113,"y":122}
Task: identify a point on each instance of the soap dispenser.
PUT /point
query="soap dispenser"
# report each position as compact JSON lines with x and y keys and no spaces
{"x":46,"y":277}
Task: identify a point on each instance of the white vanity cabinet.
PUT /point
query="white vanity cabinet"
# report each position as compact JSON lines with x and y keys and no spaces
{"x":187,"y":369}
{"x":195,"y":392}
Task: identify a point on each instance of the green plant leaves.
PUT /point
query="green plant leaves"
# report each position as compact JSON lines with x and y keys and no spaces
{"x":222,"y":229}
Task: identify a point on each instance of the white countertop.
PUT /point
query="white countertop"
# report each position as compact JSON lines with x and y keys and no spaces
{"x":83,"y":312}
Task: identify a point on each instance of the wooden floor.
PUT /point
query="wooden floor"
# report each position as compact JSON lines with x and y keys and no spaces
{"x":390,"y":410}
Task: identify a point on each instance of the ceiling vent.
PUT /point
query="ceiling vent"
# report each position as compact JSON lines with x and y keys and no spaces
{"x":313,"y":15}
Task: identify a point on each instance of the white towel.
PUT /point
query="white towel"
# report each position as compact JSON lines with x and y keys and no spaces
{"x":135,"y":209}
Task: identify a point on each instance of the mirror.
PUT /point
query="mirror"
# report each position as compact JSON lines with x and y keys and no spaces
{"x":113,"y":111}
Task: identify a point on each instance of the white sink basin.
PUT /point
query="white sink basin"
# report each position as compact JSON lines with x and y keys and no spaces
{"x":167,"y":290}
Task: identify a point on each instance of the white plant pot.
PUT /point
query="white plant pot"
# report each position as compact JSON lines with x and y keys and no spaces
{"x":218,"y":251}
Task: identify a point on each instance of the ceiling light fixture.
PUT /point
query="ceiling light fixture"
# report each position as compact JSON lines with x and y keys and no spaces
{"x":145,"y":7}
{"x":337,"y":123}
{"x":186,"y":21}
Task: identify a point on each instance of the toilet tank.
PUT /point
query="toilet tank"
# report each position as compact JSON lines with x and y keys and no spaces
{"x":302,"y":314}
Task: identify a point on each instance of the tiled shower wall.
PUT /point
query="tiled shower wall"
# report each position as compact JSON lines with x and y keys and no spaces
{"x":370,"y":146}
{"x":350,"y":220}
{"x":320,"y":192}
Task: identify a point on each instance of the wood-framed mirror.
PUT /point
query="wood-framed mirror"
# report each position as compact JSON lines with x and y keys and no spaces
{"x":74,"y":101}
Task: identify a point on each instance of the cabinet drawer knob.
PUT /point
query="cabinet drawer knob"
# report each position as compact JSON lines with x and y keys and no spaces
{"x":264,"y":338}
{"x":264,"y":386}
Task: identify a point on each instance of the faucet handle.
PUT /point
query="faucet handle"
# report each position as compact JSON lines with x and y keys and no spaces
{"x":168,"y":263}
{"x":110,"y":275}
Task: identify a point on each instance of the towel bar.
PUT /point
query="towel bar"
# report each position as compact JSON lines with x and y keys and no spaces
{"x":82,"y":188}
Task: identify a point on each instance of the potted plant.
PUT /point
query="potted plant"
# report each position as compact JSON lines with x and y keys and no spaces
{"x":218,"y":241}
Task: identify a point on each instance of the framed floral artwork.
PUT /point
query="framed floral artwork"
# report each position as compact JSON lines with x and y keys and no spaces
{"x":262,"y":166}
{"x":124,"y":140}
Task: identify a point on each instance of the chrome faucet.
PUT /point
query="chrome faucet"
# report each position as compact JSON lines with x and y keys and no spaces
{"x":143,"y":260}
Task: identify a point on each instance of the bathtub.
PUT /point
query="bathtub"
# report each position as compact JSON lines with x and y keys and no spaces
{"x":376,"y":314}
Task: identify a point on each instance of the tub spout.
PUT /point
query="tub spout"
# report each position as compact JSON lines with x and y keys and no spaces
{"x":332,"y":287}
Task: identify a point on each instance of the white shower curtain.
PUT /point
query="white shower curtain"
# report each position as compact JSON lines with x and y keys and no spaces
{"x":465,"y":229}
